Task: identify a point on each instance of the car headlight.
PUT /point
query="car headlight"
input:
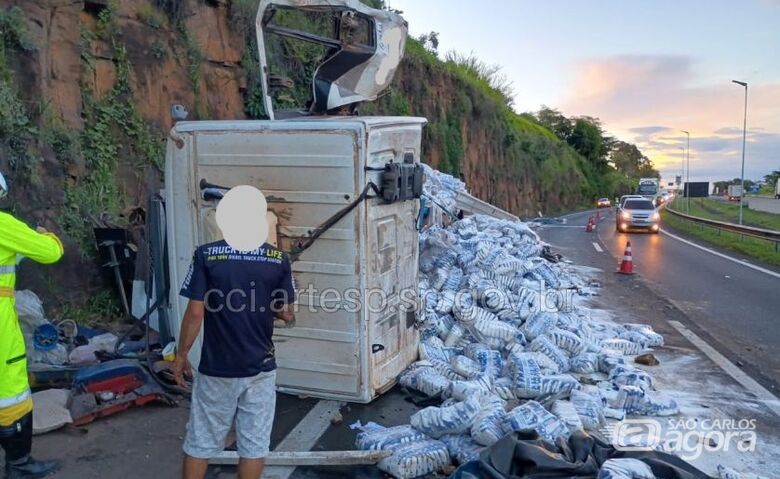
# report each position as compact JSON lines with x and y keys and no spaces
{"x":625,"y":215}
{"x":656,"y":216}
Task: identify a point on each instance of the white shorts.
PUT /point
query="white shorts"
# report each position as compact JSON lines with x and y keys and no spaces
{"x":216,"y":402}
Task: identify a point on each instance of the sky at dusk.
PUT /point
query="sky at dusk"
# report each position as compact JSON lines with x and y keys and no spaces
{"x":646,"y":68}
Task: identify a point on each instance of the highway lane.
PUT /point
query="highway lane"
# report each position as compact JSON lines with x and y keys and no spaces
{"x":738,"y":307}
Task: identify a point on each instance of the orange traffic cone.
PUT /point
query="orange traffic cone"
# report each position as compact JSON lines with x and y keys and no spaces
{"x":627,"y":265}
{"x":589,"y":226}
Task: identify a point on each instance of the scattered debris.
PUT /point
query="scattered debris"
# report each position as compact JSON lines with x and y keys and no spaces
{"x":40,"y":335}
{"x":647,"y":359}
{"x":550,"y":256}
{"x":712,"y":442}
{"x":112,"y":387}
{"x":337,"y":418}
{"x":50,"y":410}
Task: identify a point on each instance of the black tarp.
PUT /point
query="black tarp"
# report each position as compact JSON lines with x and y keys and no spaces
{"x":524,"y":455}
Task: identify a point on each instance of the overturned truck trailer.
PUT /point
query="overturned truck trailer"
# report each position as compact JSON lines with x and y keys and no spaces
{"x":343,"y":196}
{"x":311,"y":171}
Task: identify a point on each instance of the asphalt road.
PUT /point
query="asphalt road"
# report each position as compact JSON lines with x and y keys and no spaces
{"x":737,"y":308}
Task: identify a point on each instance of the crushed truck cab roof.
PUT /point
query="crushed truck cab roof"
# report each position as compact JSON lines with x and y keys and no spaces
{"x":366,"y":48}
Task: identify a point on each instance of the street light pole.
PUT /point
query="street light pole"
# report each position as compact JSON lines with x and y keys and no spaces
{"x":687,"y":188}
{"x":744,"y":135}
{"x":682,"y":171}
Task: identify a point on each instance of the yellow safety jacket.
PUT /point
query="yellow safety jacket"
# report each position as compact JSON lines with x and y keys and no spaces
{"x":16,"y":238}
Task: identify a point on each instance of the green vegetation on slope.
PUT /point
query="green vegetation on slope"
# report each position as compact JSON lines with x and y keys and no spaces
{"x":18,"y":132}
{"x":760,"y":249}
{"x":113,"y":129}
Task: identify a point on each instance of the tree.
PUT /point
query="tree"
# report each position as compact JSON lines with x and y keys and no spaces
{"x":748,"y":183}
{"x":587,"y":139}
{"x":554,"y":121}
{"x":627,"y":158}
{"x":771,"y":178}
{"x":720,"y":187}
{"x":647,"y":169}
{"x":430,"y":41}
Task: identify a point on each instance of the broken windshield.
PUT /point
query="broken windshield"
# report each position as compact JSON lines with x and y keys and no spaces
{"x":326,"y":57}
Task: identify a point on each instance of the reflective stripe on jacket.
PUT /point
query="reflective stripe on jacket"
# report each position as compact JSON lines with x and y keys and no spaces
{"x":17,"y":239}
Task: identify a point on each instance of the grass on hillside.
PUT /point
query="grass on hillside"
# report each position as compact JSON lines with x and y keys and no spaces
{"x":729,"y":212}
{"x":760,"y":249}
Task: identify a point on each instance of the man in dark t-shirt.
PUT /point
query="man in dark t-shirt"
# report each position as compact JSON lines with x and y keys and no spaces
{"x":236,"y":295}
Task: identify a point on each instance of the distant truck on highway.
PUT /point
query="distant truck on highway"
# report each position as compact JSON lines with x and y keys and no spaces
{"x":735,"y":192}
{"x":648,"y":187}
{"x":777,"y":189}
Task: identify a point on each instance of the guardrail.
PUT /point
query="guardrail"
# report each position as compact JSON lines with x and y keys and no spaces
{"x":759,"y":233}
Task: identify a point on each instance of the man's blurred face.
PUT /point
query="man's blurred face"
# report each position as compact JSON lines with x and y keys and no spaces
{"x":241,"y":215}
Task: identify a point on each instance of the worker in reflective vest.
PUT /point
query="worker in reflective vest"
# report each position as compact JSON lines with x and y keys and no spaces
{"x":17,"y":240}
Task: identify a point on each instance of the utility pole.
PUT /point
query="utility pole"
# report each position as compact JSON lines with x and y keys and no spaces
{"x":682,"y":170}
{"x":687,"y":189}
{"x":744,"y":135}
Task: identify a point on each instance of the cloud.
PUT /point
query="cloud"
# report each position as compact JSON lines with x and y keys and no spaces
{"x":649,"y":130}
{"x":714,"y":143}
{"x":737,"y":131}
{"x":648,"y":99}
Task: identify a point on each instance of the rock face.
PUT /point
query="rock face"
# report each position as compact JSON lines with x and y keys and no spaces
{"x":138,"y":57}
{"x":195,"y":62}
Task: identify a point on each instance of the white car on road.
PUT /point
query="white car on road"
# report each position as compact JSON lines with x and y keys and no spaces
{"x":637,"y":213}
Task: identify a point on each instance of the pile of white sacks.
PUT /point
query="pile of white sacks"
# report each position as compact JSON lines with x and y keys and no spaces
{"x":506,"y":348}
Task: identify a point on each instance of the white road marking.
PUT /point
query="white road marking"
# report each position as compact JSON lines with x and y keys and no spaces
{"x":304,"y":435}
{"x":598,"y":248}
{"x":761,"y":393}
{"x":716,"y":253}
